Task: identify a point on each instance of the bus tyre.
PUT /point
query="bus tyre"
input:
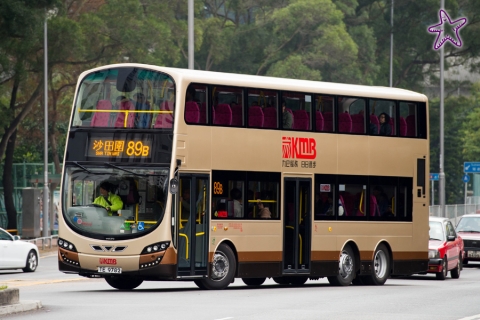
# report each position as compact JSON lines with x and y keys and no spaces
{"x":455,"y":273}
{"x":280,"y":280}
{"x":298,"y":281}
{"x":253,"y":281}
{"x":32,"y":262}
{"x":223,"y":269}
{"x":381,"y":267}
{"x":123,"y":283}
{"x":346,"y":268}
{"x":200,"y":284}
{"x":358,"y":281}
{"x":442,"y":275}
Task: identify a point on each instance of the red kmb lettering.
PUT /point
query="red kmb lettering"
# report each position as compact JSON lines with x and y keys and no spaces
{"x":299,"y":148}
{"x":107,"y":261}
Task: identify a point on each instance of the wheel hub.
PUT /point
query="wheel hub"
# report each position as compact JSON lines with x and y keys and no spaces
{"x":220,"y":266}
{"x":346,"y":265}
{"x":32,"y":261}
{"x":380,"y":264}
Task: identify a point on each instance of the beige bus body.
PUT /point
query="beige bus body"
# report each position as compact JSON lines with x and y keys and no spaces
{"x":202,"y":149}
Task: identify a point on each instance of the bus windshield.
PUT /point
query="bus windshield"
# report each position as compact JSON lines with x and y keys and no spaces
{"x":113,"y":201}
{"x":132,"y":98}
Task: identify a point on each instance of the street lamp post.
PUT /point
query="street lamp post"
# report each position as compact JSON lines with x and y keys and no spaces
{"x":190,"y":35}
{"x":46,"y":212}
{"x":391,"y":45}
{"x":442,"y":173}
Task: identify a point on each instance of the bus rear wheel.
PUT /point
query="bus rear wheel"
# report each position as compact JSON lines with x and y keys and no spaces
{"x":222,"y":272}
{"x":381,"y":267}
{"x":123,"y":283}
{"x":346,"y":268}
{"x":253,"y":281}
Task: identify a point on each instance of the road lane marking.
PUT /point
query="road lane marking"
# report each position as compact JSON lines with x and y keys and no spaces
{"x":29,"y":282}
{"x":475,"y":317}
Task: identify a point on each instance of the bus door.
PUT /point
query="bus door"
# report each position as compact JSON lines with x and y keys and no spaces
{"x":297,"y":225}
{"x":192,"y":221}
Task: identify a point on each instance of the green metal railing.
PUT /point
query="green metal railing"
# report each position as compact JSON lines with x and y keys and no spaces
{"x":23,"y":177}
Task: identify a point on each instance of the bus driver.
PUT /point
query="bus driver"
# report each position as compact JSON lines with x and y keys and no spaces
{"x":110,"y":201}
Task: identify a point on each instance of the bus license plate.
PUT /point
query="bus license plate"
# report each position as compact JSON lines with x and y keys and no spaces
{"x":109,"y":270}
{"x":473,"y":254}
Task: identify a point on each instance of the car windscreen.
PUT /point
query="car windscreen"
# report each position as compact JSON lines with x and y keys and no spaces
{"x":436,"y":231}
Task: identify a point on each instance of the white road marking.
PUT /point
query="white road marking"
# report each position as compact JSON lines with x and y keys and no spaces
{"x":475,"y":317}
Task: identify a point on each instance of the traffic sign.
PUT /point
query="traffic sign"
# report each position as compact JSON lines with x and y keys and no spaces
{"x":471,"y":167}
{"x":434,"y":176}
{"x":466,"y":178}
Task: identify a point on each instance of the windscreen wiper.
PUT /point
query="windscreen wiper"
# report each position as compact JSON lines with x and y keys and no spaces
{"x":80,"y":166}
{"x":123,"y":169}
{"x":473,"y":231}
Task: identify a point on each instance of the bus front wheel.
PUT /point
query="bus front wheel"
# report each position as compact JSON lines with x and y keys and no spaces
{"x":222,"y":271}
{"x":123,"y":283}
{"x":346,"y":268}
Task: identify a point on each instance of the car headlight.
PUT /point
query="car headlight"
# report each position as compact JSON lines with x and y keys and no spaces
{"x":433,"y":254}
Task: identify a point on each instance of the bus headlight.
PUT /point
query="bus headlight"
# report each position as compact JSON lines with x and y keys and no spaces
{"x":433,"y":254}
{"x":156,"y":247}
{"x":64,"y":244}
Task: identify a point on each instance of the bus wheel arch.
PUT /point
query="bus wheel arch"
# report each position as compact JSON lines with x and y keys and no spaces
{"x":223,"y":268}
{"x":381,"y":265}
{"x":234,"y":250}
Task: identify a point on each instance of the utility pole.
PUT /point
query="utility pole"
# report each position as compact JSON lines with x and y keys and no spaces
{"x":46,"y":212}
{"x":190,"y":35}
{"x":442,"y":152}
{"x":391,"y":45}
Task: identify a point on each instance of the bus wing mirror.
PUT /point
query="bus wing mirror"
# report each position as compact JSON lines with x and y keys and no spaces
{"x":174,"y":186}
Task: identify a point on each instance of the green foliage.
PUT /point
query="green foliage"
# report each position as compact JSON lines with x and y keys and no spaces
{"x":346,"y":41}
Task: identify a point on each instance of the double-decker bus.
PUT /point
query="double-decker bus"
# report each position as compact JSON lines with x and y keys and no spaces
{"x":210,"y":176}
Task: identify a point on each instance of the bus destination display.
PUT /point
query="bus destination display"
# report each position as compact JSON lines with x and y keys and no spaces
{"x":123,"y":148}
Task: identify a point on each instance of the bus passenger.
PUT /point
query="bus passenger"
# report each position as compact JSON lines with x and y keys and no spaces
{"x":385,"y":129}
{"x":287,"y":117}
{"x":236,"y":195}
{"x":191,"y":93}
{"x":142,"y":120}
{"x":263,"y":212}
{"x":111,"y":202}
{"x":382,"y":202}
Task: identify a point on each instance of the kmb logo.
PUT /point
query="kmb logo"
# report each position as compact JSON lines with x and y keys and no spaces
{"x":107,"y":261}
{"x":299,"y":148}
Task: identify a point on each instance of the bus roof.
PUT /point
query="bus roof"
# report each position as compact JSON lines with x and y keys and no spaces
{"x":264,"y":82}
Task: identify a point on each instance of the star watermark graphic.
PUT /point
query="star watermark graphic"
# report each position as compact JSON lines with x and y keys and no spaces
{"x":447,"y":25}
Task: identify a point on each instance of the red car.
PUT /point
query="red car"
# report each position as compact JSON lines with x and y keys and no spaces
{"x":445,"y":249}
{"x":469,"y":228}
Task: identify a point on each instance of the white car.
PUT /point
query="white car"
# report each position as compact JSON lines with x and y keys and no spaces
{"x":16,"y":254}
